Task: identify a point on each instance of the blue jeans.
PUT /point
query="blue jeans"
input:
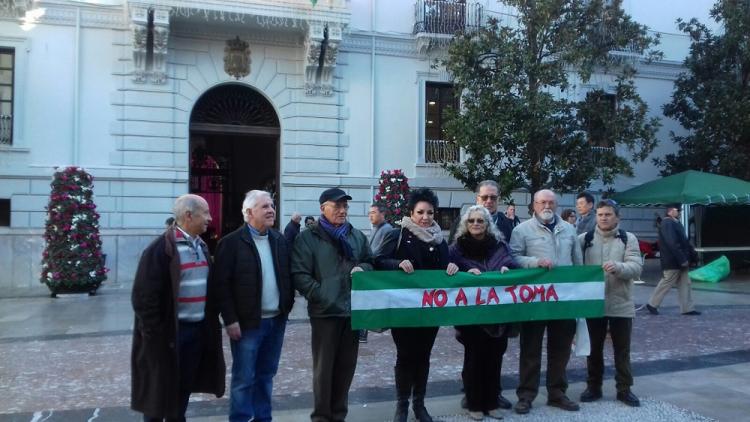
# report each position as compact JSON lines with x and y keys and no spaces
{"x":255,"y":361}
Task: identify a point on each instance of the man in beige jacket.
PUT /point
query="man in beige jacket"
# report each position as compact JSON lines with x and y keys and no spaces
{"x":618,"y":253}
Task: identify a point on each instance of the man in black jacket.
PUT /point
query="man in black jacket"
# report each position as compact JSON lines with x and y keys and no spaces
{"x":252,"y":271}
{"x":488,"y":194}
{"x":291,"y":231}
{"x":676,"y":253}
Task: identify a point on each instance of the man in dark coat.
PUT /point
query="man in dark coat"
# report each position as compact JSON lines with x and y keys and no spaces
{"x":488,"y":195}
{"x":176,"y":335}
{"x":586,"y":214}
{"x":676,"y":253}
{"x":252,"y":273}
{"x":291,"y":231}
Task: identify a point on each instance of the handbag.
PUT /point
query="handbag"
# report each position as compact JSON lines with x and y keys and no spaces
{"x":581,"y":341}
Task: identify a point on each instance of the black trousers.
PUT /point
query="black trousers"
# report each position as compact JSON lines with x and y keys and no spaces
{"x":413,"y":349}
{"x":559,"y":339}
{"x":483,"y":361}
{"x":620,"y":330}
{"x":334,"y":351}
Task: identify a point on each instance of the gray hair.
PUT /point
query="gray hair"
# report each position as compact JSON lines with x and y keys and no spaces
{"x":488,"y":182}
{"x":188,"y":203}
{"x":547,"y":191}
{"x":251,"y":200}
{"x":490,"y":228}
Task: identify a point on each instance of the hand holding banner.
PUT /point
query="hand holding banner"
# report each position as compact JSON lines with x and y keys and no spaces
{"x":428,"y":298}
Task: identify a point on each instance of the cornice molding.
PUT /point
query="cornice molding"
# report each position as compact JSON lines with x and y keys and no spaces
{"x":56,"y":13}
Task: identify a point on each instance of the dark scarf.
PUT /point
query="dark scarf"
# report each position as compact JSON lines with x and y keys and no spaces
{"x":477,"y":250}
{"x":339,"y":233}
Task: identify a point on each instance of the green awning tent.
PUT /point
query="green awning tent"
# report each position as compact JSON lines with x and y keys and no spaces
{"x":690,"y":188}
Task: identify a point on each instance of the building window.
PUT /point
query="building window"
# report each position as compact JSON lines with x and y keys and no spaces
{"x":4,"y":212}
{"x":7,"y":56}
{"x":599,"y":111}
{"x":446,"y":217}
{"x":438,"y":97}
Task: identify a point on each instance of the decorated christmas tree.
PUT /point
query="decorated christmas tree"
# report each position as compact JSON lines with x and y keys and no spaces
{"x":393,"y":191}
{"x":72,"y":260}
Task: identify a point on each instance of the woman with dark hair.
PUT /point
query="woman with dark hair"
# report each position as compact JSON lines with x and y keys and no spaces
{"x":479,"y":248}
{"x":569,"y":215}
{"x":417,"y":245}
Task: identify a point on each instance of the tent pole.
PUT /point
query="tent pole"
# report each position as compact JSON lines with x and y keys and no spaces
{"x":685,"y":218}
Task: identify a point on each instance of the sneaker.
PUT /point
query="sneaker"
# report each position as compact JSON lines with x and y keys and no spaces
{"x":693,"y":312}
{"x":522,"y":407}
{"x":652,"y":310}
{"x":477,"y":416}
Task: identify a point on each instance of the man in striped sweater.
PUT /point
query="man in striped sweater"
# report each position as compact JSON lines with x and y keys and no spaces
{"x":176,"y":336}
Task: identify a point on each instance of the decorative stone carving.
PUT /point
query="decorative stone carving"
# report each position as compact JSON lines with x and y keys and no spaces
{"x":139,"y":26}
{"x":161,"y":38}
{"x":15,"y":8}
{"x":237,"y":58}
{"x":322,"y":47}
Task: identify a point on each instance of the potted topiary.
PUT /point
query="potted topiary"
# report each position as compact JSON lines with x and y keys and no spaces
{"x":72,"y":261}
{"x":393,"y":191}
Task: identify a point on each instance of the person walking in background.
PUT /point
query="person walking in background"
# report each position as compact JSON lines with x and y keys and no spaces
{"x":292,"y":228}
{"x":309,"y":221}
{"x":545,"y":241}
{"x":176,"y":335}
{"x":324,"y":258}
{"x":510,"y":212}
{"x":417,"y":245}
{"x":618,"y":253}
{"x":380,"y":228}
{"x":586,"y":218}
{"x":569,"y":216}
{"x":479,"y":248}
{"x":252,"y":274}
{"x":675,"y":253}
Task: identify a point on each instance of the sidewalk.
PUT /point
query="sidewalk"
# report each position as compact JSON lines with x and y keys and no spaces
{"x":67,"y":359}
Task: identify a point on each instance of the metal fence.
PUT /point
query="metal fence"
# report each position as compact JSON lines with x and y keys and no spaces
{"x":440,"y":151}
{"x":446,"y":17}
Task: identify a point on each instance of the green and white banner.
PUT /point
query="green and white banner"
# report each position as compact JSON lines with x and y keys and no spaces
{"x":428,"y":298}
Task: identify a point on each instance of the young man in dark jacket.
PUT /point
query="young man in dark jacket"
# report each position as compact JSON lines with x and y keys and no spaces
{"x":323,"y":260}
{"x":676,"y":253}
{"x":252,"y":272}
{"x":176,"y":335}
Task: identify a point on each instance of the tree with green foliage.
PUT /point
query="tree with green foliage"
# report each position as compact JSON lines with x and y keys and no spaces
{"x":712,"y":99}
{"x":520,"y":123}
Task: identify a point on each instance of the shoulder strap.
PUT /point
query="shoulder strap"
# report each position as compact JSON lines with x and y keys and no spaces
{"x":623,"y":235}
{"x":587,"y":240}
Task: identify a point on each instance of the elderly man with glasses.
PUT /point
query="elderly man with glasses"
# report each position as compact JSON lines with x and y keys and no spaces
{"x":323,"y":259}
{"x":545,"y":241}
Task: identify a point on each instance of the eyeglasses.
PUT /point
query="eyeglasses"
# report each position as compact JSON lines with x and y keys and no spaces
{"x":545,"y":203}
{"x":492,"y":198}
{"x":476,"y":220}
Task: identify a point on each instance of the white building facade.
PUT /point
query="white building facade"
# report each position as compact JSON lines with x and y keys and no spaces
{"x":164,"y":97}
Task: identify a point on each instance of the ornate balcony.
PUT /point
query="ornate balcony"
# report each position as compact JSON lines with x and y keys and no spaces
{"x":440,"y":151}
{"x":437,"y":21}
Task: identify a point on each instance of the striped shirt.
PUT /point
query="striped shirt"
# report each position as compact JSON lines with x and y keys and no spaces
{"x":191,"y":298}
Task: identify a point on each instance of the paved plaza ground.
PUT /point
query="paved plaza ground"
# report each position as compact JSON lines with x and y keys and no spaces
{"x":67,"y":359}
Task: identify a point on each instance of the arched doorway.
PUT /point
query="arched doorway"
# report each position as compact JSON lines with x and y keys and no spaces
{"x":234,"y":147}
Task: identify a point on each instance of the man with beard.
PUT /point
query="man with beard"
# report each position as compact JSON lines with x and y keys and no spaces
{"x":545,"y":241}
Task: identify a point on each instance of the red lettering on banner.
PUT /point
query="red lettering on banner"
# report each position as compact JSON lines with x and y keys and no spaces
{"x":441,"y":298}
{"x":461,"y":297}
{"x":526,"y":293}
{"x":551,"y":293}
{"x":427,"y":298}
{"x":512,"y":291}
{"x":539,"y":290}
{"x":479,"y":300}
{"x":492,"y":295}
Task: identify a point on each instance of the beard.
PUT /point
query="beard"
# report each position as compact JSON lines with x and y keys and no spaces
{"x":547,"y":215}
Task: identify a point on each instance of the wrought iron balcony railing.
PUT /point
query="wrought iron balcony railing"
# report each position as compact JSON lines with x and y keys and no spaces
{"x":440,"y":151}
{"x":446,"y":17}
{"x":6,"y":129}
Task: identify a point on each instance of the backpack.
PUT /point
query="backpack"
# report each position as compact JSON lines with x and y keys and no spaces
{"x":589,"y":237}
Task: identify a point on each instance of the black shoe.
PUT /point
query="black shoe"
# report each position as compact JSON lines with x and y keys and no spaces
{"x":628,"y":398}
{"x":522,"y":407}
{"x":564,"y":403}
{"x":693,"y":312}
{"x":503,"y":403}
{"x":591,"y":394}
{"x":464,"y":403}
{"x":363,"y":336}
{"x":652,"y":310}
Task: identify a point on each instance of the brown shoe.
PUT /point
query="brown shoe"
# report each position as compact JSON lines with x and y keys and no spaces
{"x":564,"y":403}
{"x":522,"y":407}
